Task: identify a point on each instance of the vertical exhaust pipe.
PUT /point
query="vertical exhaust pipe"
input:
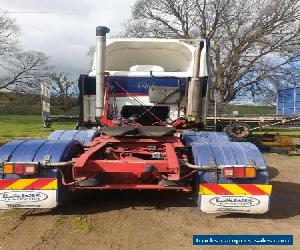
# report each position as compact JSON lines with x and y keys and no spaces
{"x":208,"y":83}
{"x":101,"y":32}
{"x":194,"y":102}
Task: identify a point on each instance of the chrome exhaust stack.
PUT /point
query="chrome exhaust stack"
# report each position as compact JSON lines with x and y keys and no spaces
{"x":195,"y":109}
{"x":101,"y":32}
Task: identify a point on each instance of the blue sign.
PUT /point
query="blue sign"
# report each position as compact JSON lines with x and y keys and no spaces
{"x":213,"y":240}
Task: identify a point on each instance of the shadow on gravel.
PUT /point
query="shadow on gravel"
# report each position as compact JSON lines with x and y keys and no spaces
{"x":92,"y":201}
{"x":285,"y":203}
{"x":273,"y":172}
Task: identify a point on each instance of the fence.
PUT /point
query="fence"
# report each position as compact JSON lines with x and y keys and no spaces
{"x":21,"y":106}
{"x":219,"y":115}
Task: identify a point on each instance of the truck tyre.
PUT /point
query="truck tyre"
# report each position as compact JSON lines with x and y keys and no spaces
{"x":238,"y":130}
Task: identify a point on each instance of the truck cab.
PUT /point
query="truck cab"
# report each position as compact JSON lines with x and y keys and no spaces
{"x":145,"y":74}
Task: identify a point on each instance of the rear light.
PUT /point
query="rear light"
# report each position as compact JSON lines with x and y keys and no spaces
{"x":18,"y":169}
{"x":228,"y":172}
{"x":8,"y":169}
{"x":250,"y":172}
{"x":30,"y":169}
{"x":26,"y":169}
{"x":239,"y":172}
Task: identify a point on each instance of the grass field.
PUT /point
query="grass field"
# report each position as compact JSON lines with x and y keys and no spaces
{"x":247,"y":109}
{"x":20,"y":127}
{"x":24,"y":127}
{"x":281,"y":131}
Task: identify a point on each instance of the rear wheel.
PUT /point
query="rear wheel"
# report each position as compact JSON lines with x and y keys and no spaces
{"x":238,"y":130}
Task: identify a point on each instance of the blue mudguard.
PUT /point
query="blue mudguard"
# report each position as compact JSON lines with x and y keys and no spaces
{"x":189,"y":136}
{"x":83,"y":136}
{"x":234,"y":195}
{"x":43,"y":189}
{"x":230,"y":153}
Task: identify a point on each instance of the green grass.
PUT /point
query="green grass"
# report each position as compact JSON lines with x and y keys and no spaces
{"x":24,"y":127}
{"x":247,"y":109}
{"x":20,"y":127}
{"x":282,"y":131}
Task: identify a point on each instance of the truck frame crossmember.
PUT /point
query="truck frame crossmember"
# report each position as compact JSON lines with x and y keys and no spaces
{"x":132,"y":163}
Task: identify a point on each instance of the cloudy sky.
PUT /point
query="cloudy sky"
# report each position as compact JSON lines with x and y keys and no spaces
{"x":68,"y":29}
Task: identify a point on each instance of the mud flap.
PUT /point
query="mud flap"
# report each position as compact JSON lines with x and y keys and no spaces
{"x":234,"y":198}
{"x":28,"y":193}
{"x":254,"y":204}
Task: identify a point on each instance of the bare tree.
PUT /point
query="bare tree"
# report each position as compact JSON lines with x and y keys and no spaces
{"x":63,"y":88}
{"x":8,"y":34}
{"x":250,"y":40}
{"x":23,"y":71}
{"x":284,"y":77}
{"x":20,"y":71}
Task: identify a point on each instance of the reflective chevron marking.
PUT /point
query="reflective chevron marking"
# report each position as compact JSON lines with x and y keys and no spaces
{"x":28,"y":184}
{"x":234,"y":189}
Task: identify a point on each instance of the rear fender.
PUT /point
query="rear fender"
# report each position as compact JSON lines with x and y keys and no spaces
{"x":229,"y":153}
{"x":43,"y":190}
{"x":83,"y":136}
{"x":218,"y":194}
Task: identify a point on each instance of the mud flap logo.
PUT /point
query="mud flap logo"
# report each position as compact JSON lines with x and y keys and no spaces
{"x":22,"y":196}
{"x":234,"y":201}
{"x":257,"y":204}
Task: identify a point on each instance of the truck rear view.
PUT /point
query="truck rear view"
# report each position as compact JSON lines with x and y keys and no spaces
{"x":143,"y":106}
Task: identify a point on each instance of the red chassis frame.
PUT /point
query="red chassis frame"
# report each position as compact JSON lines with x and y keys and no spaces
{"x":122,"y":163}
